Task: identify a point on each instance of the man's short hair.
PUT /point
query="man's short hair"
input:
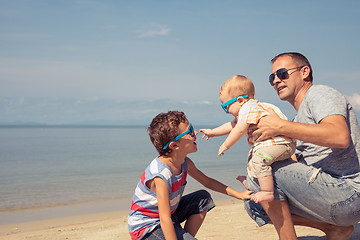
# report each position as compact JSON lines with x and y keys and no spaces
{"x":299,"y":59}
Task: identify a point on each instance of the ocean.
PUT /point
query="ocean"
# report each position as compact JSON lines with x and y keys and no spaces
{"x":49,"y":171}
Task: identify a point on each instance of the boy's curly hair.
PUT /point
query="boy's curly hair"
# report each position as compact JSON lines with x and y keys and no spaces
{"x":165,"y":127}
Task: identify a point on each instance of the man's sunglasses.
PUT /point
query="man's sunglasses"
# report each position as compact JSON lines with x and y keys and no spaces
{"x":282,"y":74}
{"x":189,"y":131}
{"x":225,"y":105}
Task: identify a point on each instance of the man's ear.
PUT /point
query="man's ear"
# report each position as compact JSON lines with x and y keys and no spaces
{"x":306,"y":73}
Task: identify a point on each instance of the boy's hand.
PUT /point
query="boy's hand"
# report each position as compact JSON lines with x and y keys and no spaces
{"x":207,"y":133}
{"x":222,"y":149}
{"x":246,"y":194}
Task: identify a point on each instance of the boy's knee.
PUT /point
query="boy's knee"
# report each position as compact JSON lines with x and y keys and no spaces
{"x":206,"y":202}
{"x":203,"y":194}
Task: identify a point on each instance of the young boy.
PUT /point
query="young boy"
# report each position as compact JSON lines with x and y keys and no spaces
{"x":158,"y":207}
{"x":237,"y":98}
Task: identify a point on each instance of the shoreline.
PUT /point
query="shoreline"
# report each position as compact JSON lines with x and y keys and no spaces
{"x":63,"y":211}
{"x":228,"y":220}
{"x":79,"y":208}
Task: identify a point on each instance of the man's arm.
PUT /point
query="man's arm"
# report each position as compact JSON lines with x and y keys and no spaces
{"x":331,"y":131}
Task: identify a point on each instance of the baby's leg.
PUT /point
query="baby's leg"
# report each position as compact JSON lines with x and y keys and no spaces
{"x":267,"y":190}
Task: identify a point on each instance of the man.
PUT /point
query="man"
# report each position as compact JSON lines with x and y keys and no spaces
{"x":322,"y":189}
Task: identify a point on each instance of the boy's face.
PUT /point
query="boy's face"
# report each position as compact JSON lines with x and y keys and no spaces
{"x":187,"y":143}
{"x":233,"y":108}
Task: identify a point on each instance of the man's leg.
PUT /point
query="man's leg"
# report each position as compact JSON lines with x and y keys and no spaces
{"x":315,"y":196}
{"x":280,"y":216}
{"x":255,"y":211}
{"x":332,"y":232}
{"x":275,"y":212}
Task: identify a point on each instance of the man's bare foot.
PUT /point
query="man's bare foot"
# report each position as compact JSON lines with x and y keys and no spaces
{"x":262,"y":196}
{"x":242,"y":179}
{"x":339,"y":232}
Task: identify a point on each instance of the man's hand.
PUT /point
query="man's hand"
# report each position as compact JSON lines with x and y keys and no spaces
{"x":268,"y":126}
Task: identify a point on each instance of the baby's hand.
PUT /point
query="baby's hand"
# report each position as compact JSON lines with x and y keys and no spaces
{"x":207,"y":133}
{"x":222,"y":149}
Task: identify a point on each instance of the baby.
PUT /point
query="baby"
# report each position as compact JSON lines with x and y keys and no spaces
{"x":237,"y":98}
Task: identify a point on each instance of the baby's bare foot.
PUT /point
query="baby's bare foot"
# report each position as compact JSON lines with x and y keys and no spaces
{"x":262,"y":197}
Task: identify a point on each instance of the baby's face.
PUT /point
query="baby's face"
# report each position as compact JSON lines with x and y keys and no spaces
{"x":232,"y":108}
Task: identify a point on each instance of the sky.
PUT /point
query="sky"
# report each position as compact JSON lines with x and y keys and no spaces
{"x":124,"y":61}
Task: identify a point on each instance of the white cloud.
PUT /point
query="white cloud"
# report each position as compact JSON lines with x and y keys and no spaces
{"x":205,"y":102}
{"x":93,"y":99}
{"x":20,"y":101}
{"x":87,"y":100}
{"x":153,"y":29}
{"x":355,"y":100}
{"x":13,"y":102}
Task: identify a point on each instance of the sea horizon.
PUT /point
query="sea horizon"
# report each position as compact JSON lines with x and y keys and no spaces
{"x":56,"y":171}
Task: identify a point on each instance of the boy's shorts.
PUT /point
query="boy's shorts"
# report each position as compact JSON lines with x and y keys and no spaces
{"x":190,"y":204}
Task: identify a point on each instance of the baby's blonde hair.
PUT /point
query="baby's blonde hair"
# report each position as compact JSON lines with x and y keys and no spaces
{"x":238,"y":85}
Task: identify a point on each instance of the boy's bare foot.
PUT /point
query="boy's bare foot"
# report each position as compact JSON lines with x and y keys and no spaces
{"x":262,"y":197}
{"x":339,"y":232}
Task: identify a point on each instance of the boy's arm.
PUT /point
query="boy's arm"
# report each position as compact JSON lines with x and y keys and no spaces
{"x":214,"y":184}
{"x":162,"y":194}
{"x":236,"y":133}
{"x":219,"y":131}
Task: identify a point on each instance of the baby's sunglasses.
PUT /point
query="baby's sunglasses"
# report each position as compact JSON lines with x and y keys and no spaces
{"x":225,"y":105}
{"x":189,"y":131}
{"x":282,"y":74}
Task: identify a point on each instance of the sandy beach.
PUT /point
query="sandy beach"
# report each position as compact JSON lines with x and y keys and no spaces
{"x":227,"y":221}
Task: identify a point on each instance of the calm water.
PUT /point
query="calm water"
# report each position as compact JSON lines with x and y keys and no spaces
{"x":53,"y":166}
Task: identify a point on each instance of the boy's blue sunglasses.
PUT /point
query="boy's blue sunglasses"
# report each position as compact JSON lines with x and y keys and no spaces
{"x":189,"y":131}
{"x":225,"y":105}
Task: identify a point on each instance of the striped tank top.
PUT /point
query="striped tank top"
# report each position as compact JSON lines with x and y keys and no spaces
{"x":144,"y":211}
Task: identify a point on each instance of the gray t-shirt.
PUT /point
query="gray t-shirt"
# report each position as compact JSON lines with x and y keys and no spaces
{"x":320,"y":102}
